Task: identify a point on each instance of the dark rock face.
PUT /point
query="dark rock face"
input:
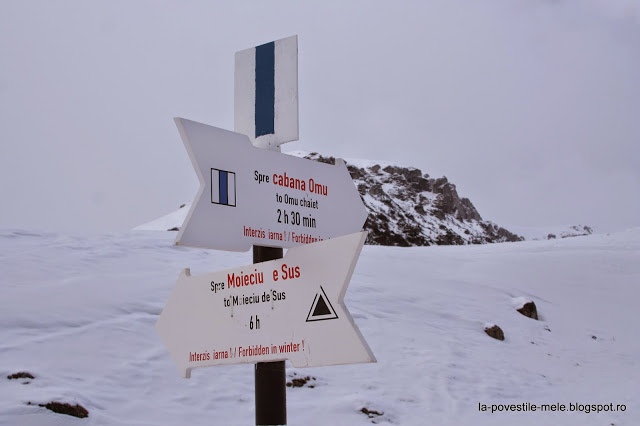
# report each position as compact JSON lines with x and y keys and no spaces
{"x":21,"y":375}
{"x":408,"y":208}
{"x":450,"y":203}
{"x":495,"y":332}
{"x":498,"y":233}
{"x":65,"y":408}
{"x":371,"y":413}
{"x":529,"y":310}
{"x":298,"y":382}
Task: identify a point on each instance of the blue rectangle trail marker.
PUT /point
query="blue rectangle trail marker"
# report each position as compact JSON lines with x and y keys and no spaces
{"x":265,"y":89}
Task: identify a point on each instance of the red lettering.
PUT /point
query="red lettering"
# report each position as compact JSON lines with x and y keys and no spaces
{"x":289,"y":272}
{"x":244,"y":280}
{"x":289,"y":182}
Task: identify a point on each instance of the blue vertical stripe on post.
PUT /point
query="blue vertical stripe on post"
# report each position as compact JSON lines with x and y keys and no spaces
{"x":265,"y":89}
{"x":224,"y":187}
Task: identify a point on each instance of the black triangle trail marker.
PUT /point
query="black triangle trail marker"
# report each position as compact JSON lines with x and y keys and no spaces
{"x":321,"y":308}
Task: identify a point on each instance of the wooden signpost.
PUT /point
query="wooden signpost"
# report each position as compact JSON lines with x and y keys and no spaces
{"x":250,"y":194}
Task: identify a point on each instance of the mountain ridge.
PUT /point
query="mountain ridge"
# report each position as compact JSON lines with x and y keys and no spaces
{"x":409,"y":208}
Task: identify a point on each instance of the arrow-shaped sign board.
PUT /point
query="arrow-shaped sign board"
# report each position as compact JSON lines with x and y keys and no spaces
{"x":291,"y":308}
{"x":251,"y":196}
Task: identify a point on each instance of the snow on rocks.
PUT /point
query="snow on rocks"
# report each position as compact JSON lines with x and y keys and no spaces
{"x":408,"y":208}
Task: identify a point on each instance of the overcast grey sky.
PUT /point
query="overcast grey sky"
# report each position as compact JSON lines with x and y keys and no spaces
{"x":531,"y":107}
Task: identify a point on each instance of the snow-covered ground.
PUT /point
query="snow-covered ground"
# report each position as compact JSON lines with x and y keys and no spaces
{"x":79,"y":313}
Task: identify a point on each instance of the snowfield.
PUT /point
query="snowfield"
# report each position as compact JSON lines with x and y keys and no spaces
{"x":79,"y":312}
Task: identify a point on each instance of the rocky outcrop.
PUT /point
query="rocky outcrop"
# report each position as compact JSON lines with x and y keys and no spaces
{"x":576,"y":231}
{"x":76,"y":410}
{"x":530,"y":310}
{"x":495,"y":332}
{"x":408,"y":208}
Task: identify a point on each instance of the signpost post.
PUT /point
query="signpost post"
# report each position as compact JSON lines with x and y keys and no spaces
{"x":266,"y":110}
{"x":252,"y":195}
{"x":270,"y":378}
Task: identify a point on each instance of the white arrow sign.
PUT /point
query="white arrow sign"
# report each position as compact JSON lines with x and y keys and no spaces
{"x":291,"y":308}
{"x":251,"y":196}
